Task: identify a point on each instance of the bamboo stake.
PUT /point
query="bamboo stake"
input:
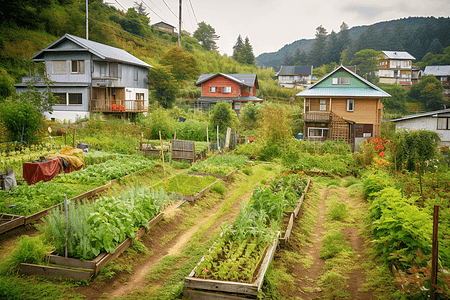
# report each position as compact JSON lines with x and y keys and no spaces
{"x":218,"y":146}
{"x":434,"y":255}
{"x":162,"y":155}
{"x":73,"y":139}
{"x":207,"y":137}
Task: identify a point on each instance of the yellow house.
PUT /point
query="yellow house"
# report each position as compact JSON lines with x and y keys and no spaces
{"x":342,"y":106}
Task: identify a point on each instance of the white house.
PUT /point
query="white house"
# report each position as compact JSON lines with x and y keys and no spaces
{"x":91,"y":77}
{"x":294,"y":76}
{"x":437,"y":121}
{"x":395,"y":67}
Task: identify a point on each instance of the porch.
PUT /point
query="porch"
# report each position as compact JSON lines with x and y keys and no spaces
{"x":113,"y":100}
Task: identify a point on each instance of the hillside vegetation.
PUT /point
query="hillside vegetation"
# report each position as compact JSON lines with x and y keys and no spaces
{"x":28,"y":27}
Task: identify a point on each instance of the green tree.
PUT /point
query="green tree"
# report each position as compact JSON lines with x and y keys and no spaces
{"x":18,"y":116}
{"x":237,"y":48}
{"x":164,"y":85}
{"x":428,"y":92}
{"x":207,"y":37}
{"x":416,"y":146}
{"x":6,"y":85}
{"x":397,"y":103}
{"x":333,"y":53}
{"x":344,"y":39}
{"x":318,"y":50}
{"x":398,"y":37}
{"x":223,"y":116}
{"x":248,"y":52}
{"x":183,"y":65}
{"x":366,"y":64}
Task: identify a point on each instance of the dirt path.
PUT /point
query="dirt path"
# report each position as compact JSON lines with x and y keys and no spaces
{"x":310,"y":268}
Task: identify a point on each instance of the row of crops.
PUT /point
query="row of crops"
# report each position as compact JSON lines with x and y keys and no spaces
{"x":236,"y":255}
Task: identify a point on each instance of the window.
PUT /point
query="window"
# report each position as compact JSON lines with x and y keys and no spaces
{"x":213,"y":89}
{"x":317,"y":132}
{"x":341,"y":80}
{"x":350,"y":104}
{"x":139,"y":96}
{"x":77,"y":67}
{"x":323,"y":104}
{"x":115,"y":70}
{"x":61,"y":98}
{"x":226,"y":89}
{"x":75,"y":99}
{"x":443,"y":123}
{"x":59,"y":67}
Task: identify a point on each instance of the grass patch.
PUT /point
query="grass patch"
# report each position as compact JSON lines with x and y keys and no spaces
{"x":185,"y":184}
{"x":333,"y":243}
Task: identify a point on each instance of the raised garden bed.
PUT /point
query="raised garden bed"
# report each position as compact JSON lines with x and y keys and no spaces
{"x":191,"y":187}
{"x":220,"y":166}
{"x":81,"y":270}
{"x":200,"y":288}
{"x":6,"y":226}
{"x":224,"y":177}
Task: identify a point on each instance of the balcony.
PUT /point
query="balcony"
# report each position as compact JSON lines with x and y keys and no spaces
{"x":318,"y":117}
{"x":118,"y":106}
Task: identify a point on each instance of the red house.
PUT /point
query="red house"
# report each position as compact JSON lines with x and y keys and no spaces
{"x":232,"y":88}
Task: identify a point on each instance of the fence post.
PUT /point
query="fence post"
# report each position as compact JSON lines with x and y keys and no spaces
{"x":162,"y":155}
{"x":218,"y":146}
{"x":434,"y":257}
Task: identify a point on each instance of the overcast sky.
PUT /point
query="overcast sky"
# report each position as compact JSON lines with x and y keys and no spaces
{"x":271,"y":24}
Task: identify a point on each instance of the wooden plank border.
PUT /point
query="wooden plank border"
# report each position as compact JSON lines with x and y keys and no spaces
{"x":15,"y":221}
{"x":247,"y":289}
{"x":53,"y":272}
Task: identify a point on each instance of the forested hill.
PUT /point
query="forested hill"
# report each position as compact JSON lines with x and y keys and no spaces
{"x":416,"y":35}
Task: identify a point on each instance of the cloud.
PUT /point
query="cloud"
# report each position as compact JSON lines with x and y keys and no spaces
{"x":365,"y":11}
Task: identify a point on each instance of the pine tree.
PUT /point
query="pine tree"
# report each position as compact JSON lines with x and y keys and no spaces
{"x":207,"y":36}
{"x":317,"y":53}
{"x":344,"y":39}
{"x":248,"y":51}
{"x":332,"y":53}
{"x":237,"y":48}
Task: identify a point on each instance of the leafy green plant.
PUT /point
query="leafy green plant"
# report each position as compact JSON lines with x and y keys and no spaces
{"x":185,"y":184}
{"x":220,"y":164}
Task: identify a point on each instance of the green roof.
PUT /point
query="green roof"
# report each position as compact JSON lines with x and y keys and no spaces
{"x":358,"y":87}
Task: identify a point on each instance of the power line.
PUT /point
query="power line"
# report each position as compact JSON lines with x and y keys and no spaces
{"x":153,"y":11}
{"x":121,"y":6}
{"x":168,"y":8}
{"x":193,"y":12}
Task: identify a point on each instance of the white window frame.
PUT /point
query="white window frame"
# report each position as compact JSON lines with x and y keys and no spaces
{"x":350,"y":104}
{"x":226,"y":89}
{"x":67,"y":97}
{"x":322,"y":104}
{"x":341,"y":81}
{"x":213,"y":89}
{"x":316,"y":128}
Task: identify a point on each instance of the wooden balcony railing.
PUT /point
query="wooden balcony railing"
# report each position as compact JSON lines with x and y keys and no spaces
{"x":102,"y":105}
{"x":318,"y":117}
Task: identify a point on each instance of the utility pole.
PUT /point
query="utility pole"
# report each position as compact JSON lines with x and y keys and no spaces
{"x":87,"y":20}
{"x":179,"y":28}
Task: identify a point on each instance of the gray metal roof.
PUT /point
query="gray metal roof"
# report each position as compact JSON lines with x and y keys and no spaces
{"x":437,"y":70}
{"x":435,"y":113}
{"x":101,"y":50}
{"x":398,"y":55}
{"x":244,"y":79}
{"x":370,"y":90}
{"x":295,"y":70}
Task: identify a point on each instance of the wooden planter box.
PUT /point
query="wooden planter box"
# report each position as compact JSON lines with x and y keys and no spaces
{"x":34,"y":217}
{"x":224,"y":177}
{"x":202,"y":289}
{"x":85,"y":269}
{"x":285,"y":239}
{"x":199,"y":194}
{"x":8,"y":222}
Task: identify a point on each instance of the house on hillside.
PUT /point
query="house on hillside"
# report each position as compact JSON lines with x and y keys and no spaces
{"x":437,"y":121}
{"x":89,"y":77}
{"x":395,"y":67}
{"x":163,"y":26}
{"x":294,"y":76}
{"x":342,"y":106}
{"x":442,"y":73}
{"x":236,"y":89}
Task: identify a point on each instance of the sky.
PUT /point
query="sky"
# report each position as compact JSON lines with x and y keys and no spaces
{"x":271,"y":24}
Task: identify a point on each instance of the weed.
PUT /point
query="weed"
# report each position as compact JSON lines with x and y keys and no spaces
{"x":334,"y":286}
{"x":333,"y":243}
{"x":219,"y":188}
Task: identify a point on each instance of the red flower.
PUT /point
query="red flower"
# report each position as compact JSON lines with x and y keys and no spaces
{"x":381,"y":154}
{"x":418,"y":163}
{"x":233,"y":269}
{"x":284,"y":173}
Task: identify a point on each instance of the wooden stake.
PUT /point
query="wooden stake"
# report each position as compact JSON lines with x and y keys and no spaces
{"x":434,"y":255}
{"x":162,"y":155}
{"x":73,"y":140}
{"x":207,"y":136}
{"x":218,"y":138}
